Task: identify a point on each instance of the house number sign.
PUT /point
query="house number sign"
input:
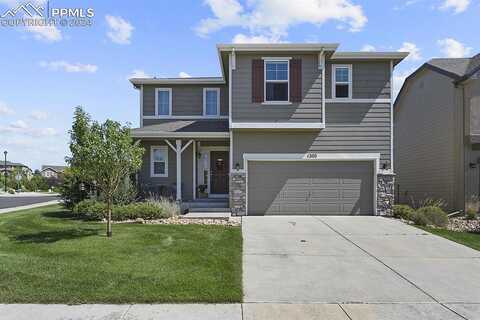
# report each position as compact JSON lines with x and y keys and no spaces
{"x":311,"y":156}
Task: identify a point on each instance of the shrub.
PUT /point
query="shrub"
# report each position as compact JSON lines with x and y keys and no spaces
{"x":148,"y":210}
{"x":419,"y":218}
{"x":72,"y":189}
{"x":434,"y":215}
{"x":428,"y":202}
{"x":471,"y":214}
{"x":90,"y":209}
{"x":402,"y":211}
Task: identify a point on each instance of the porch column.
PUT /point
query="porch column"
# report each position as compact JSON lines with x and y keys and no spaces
{"x":179,"y":169}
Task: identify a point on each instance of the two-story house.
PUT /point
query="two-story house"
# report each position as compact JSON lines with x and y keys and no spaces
{"x":49,"y":171}
{"x":437,"y":133}
{"x":287,"y":129}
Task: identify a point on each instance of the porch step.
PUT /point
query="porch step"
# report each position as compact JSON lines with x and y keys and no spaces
{"x":203,"y":210}
{"x":206,"y":204}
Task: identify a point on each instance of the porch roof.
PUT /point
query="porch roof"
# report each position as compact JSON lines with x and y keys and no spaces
{"x":184,"y":128}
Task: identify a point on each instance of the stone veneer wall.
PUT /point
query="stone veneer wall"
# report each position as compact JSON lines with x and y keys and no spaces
{"x":238,"y":193}
{"x":385,"y":194}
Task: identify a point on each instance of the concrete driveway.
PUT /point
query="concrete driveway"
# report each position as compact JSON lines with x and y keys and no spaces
{"x":357,"y":268}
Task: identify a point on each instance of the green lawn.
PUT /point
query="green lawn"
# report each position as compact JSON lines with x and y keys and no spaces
{"x":46,"y":256}
{"x":468,"y":239}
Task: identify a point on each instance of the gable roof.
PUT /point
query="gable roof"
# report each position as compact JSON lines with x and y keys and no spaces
{"x":57,"y":169}
{"x":459,"y":69}
{"x":12,"y":164}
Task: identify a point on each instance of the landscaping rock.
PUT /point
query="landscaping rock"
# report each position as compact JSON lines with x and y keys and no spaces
{"x":176,"y":220}
{"x":464,"y":225}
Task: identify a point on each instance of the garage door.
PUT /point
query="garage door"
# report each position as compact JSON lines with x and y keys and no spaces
{"x":310,"y":188}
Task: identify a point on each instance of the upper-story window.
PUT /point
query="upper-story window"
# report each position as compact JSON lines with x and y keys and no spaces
{"x":276,"y":81}
{"x":163,"y":101}
{"x":341,"y":81}
{"x":211,"y":102}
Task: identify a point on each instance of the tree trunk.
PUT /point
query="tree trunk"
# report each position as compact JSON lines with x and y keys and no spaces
{"x":109,"y":218}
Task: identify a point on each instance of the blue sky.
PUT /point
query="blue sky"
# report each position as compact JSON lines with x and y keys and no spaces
{"x":47,"y":71}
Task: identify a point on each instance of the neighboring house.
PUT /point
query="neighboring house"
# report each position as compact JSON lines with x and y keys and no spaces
{"x":12,"y":166}
{"x":49,"y":171}
{"x":287,"y":129}
{"x":437,"y":133}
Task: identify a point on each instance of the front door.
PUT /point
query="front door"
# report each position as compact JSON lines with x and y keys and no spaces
{"x":219,"y":172}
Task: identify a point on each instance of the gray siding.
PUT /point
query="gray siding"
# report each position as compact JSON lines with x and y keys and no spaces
{"x":472,"y":99}
{"x":170,"y":181}
{"x":244,"y":110}
{"x":350,"y":128}
{"x":187,"y":100}
{"x":425,"y":136}
{"x":370,"y":80}
{"x":471,"y":174}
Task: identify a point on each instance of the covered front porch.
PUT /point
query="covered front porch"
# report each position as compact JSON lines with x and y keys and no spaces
{"x":187,"y":166}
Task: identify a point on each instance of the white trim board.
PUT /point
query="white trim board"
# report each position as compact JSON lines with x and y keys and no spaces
{"x":170,"y":107}
{"x":358,"y":101}
{"x":217,"y":90}
{"x":391,"y":115}
{"x":277,"y":125}
{"x":152,"y":174}
{"x":282,"y":60}
{"x":306,"y":157}
{"x":185,"y":117}
{"x":349,"y":83}
{"x":208,"y":150}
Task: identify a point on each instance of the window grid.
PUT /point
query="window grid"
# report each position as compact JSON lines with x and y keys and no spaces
{"x":163,"y":102}
{"x":159,"y":161}
{"x":277,"y":72}
{"x":342,"y":76}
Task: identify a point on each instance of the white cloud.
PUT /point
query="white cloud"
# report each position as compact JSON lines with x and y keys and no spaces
{"x":457,"y":6}
{"x":19,"y":124}
{"x":22,"y":128}
{"x":5,"y":110}
{"x":242,"y":38}
{"x":184,"y":75}
{"x":138,"y":73}
{"x":68,"y":67}
{"x":273,"y":18}
{"x":38,"y":115}
{"x":414,"y":51}
{"x":398,"y":80}
{"x":368,"y":48}
{"x":120,"y":30}
{"x":47,"y":33}
{"x":452,"y":48}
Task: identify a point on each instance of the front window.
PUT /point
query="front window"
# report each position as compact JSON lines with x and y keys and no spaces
{"x":164,"y":101}
{"x":276,"y":81}
{"x":159,"y":161}
{"x":342,"y":81}
{"x":211,"y":99}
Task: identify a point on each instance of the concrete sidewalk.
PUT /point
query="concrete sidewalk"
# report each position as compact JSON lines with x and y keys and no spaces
{"x":248,"y":311}
{"x":30,"y":206}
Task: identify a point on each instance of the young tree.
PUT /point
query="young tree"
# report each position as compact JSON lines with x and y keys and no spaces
{"x":104,"y":154}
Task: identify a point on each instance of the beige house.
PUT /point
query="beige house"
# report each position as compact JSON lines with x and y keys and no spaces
{"x":49,"y":171}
